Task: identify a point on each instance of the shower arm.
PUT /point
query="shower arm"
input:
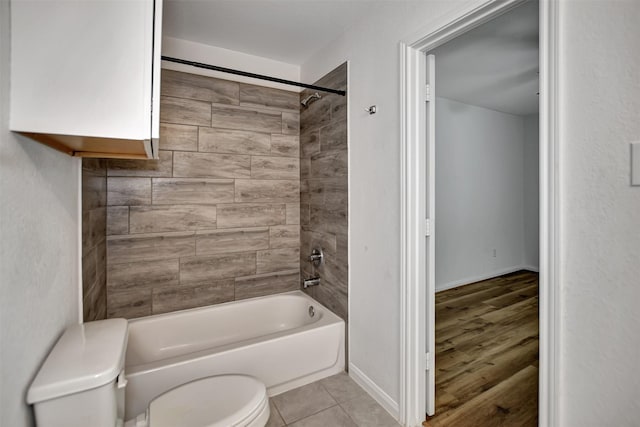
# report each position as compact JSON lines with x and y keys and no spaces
{"x":305,"y":102}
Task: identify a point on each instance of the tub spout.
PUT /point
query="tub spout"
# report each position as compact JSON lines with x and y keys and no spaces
{"x":312,"y":281}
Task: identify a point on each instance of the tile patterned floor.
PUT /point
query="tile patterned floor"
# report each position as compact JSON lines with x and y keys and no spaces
{"x":335,"y":401}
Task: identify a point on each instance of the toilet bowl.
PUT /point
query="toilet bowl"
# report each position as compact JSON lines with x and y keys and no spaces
{"x":82,"y":383}
{"x":220,"y":401}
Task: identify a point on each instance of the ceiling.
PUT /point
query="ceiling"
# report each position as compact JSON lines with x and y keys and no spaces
{"x":494,"y":65}
{"x":284,"y":30}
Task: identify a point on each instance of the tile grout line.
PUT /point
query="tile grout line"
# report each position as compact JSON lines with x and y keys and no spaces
{"x":349,"y":415}
{"x":277,"y":411}
{"x":339,"y":404}
{"x":198,"y":139}
{"x":291,"y":117}
{"x":312,"y":414}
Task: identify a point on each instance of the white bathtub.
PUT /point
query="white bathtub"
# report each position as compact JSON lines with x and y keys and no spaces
{"x":272,"y":338}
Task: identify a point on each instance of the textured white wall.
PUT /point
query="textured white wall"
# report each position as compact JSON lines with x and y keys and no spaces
{"x":479,"y":193}
{"x":372,"y":48}
{"x":531,"y":256}
{"x":600,"y":234}
{"x":39,"y":288}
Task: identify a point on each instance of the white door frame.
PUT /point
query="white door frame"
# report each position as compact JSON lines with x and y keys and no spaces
{"x":413,"y":326}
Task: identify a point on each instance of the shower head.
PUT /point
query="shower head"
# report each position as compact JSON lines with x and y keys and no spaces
{"x":305,"y":102}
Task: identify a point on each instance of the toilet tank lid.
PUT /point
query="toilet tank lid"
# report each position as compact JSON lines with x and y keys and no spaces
{"x":85,"y":357}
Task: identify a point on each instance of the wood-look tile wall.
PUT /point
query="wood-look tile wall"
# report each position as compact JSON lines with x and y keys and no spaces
{"x":216,"y":218}
{"x":94,"y":247}
{"x":324,"y":192}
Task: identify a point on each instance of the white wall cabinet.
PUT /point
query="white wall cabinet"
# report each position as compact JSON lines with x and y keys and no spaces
{"x":85,"y":75}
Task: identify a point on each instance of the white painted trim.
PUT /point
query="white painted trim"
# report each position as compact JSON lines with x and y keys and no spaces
{"x":533,"y":268}
{"x":550,"y":302}
{"x":390,"y":405}
{"x":464,"y":21}
{"x":412,"y":401}
{"x":412,"y":332}
{"x":405,"y":358}
{"x":349,"y":215}
{"x":486,"y":276}
{"x":427,"y":245}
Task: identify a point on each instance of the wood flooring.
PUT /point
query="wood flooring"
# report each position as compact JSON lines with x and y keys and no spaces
{"x":487,"y":353}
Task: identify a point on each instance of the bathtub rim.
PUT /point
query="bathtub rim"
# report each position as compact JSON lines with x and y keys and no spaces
{"x":297,"y":292}
{"x":326,"y":319}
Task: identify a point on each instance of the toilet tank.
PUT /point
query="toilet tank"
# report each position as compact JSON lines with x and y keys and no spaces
{"x":81,"y":382}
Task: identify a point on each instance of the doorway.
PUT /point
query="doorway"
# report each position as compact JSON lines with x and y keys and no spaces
{"x":485,"y":183}
{"x":420,"y":223}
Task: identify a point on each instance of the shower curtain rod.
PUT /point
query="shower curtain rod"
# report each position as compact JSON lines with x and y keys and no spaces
{"x":252,"y":75}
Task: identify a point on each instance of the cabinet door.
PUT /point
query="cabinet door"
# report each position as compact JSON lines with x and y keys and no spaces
{"x":85,"y":68}
{"x":156,"y":64}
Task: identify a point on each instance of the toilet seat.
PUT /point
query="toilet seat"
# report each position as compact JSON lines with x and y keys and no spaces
{"x":219,"y":401}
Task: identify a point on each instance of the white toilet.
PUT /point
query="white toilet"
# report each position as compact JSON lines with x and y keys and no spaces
{"x":82,"y":384}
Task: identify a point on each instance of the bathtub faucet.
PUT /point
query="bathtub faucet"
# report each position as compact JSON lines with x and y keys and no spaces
{"x":312,"y":281}
{"x":316,"y":257}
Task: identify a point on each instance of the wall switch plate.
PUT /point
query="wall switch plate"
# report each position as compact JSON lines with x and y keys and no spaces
{"x":635,"y":163}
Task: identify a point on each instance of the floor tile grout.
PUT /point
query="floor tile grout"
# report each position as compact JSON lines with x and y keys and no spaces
{"x":345,"y":397}
{"x":349,"y":415}
{"x":310,"y":415}
{"x":278,"y":412}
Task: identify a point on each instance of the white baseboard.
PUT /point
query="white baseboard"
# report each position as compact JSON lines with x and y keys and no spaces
{"x":469,"y":280}
{"x":390,"y":405}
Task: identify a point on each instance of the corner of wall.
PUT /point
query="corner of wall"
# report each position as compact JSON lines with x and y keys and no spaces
{"x":375,"y":391}
{"x":93,"y":256}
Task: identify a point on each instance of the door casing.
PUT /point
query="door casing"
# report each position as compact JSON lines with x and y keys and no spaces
{"x":413,"y":333}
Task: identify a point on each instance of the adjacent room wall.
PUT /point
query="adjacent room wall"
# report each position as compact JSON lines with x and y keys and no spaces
{"x":479,"y":193}
{"x":324,"y":203}
{"x":94,"y":239}
{"x":39,"y":251}
{"x":216,"y":218}
{"x":531,"y":256}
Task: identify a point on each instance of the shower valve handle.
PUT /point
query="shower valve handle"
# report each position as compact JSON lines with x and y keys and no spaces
{"x":316,"y":257}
